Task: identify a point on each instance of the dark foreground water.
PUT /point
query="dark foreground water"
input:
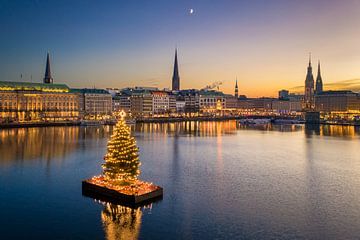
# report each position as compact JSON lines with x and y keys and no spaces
{"x":221,"y":181}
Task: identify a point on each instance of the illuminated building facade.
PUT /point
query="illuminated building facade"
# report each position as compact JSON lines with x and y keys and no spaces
{"x":211,"y":100}
{"x":141,"y":103}
{"x":230,"y":101}
{"x":94,"y":102}
{"x":20,"y":101}
{"x":338,"y":101}
{"x":161,"y":102}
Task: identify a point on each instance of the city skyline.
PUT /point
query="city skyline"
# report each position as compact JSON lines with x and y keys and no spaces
{"x":216,"y":42}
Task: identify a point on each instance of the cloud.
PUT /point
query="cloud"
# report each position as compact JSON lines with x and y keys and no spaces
{"x":350,"y":84}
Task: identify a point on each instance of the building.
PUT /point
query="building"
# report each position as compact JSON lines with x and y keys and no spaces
{"x":262,"y":104}
{"x":116,"y":103}
{"x":231,"y":102}
{"x":191,"y":98}
{"x":172,"y":102}
{"x":22,"y":101}
{"x":309,"y":102}
{"x":123,"y":100}
{"x":286,"y":106}
{"x":319,"y":82}
{"x":180,"y":104}
{"x":337,"y":101}
{"x":141,"y":102}
{"x":161,"y":102}
{"x":94,"y":102}
{"x":25,"y":101}
{"x":211,"y":100}
{"x":176,"y":77}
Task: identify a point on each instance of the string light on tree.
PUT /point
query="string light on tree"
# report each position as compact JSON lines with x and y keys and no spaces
{"x":122,"y":162}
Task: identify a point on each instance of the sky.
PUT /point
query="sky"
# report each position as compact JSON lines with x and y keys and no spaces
{"x":265,"y":44}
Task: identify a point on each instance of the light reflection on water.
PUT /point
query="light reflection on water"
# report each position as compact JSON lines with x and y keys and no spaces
{"x":221,"y":180}
{"x":121,"y":222}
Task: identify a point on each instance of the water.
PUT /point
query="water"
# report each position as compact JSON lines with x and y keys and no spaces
{"x":221,"y":181}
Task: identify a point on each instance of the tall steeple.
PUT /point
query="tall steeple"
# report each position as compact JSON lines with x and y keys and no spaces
{"x":309,"y":88}
{"x":176,"y":77}
{"x":319,"y":83}
{"x":48,"y":78}
{"x":236,"y":89}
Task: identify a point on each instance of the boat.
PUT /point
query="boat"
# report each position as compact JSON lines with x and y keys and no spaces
{"x":288,"y":121}
{"x":130,"y":121}
{"x":255,"y":121}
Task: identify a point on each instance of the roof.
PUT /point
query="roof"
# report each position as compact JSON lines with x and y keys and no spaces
{"x":28,"y":86}
{"x":336,"y":92}
{"x":89,"y":90}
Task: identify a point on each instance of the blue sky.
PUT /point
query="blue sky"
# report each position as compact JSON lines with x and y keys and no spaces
{"x":126,"y":43}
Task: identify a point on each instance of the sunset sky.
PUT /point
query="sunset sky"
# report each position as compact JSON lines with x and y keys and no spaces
{"x":265,"y":44}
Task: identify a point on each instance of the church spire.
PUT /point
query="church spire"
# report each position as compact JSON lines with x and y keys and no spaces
{"x":309,"y":88}
{"x":319,"y":83}
{"x":48,"y":78}
{"x":236,"y":89}
{"x":176,"y":77}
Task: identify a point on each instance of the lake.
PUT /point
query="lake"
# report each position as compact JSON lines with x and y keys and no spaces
{"x":221,"y":180}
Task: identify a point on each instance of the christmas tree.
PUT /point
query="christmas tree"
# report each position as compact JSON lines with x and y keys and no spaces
{"x":122,"y":163}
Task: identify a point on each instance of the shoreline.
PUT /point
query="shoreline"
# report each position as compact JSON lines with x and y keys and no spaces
{"x":162,"y":120}
{"x":38,"y":124}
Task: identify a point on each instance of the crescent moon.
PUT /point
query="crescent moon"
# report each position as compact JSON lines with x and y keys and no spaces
{"x":191,"y":11}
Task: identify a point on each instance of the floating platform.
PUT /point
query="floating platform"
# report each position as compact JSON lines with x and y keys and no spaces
{"x":139,"y":193}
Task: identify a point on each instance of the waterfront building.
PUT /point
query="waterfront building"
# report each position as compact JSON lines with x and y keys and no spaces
{"x":309,"y":103}
{"x":141,"y":103}
{"x":211,"y":100}
{"x":338,"y":101}
{"x":94,"y":102}
{"x":191,"y":97}
{"x":176,"y":77}
{"x":230,"y":102}
{"x":161,"y":102}
{"x":319,"y":82}
{"x":23,"y":101}
{"x":180,"y":104}
{"x":243,"y":104}
{"x":116,"y":103}
{"x":262,"y":104}
{"x":123,"y":100}
{"x":286,"y":106}
{"x":172,"y":102}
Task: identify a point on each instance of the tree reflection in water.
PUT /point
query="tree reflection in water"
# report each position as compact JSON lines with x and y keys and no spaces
{"x":121,"y":222}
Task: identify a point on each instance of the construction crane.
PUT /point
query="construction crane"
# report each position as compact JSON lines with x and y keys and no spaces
{"x":213,"y":85}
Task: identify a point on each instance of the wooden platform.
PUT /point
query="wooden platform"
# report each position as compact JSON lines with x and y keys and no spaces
{"x":99,"y":192}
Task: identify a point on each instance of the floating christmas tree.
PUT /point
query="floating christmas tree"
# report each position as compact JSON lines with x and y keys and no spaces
{"x":119,"y":181}
{"x":122,"y":162}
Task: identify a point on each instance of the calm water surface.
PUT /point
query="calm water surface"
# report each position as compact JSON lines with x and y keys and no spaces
{"x":221,"y":181}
